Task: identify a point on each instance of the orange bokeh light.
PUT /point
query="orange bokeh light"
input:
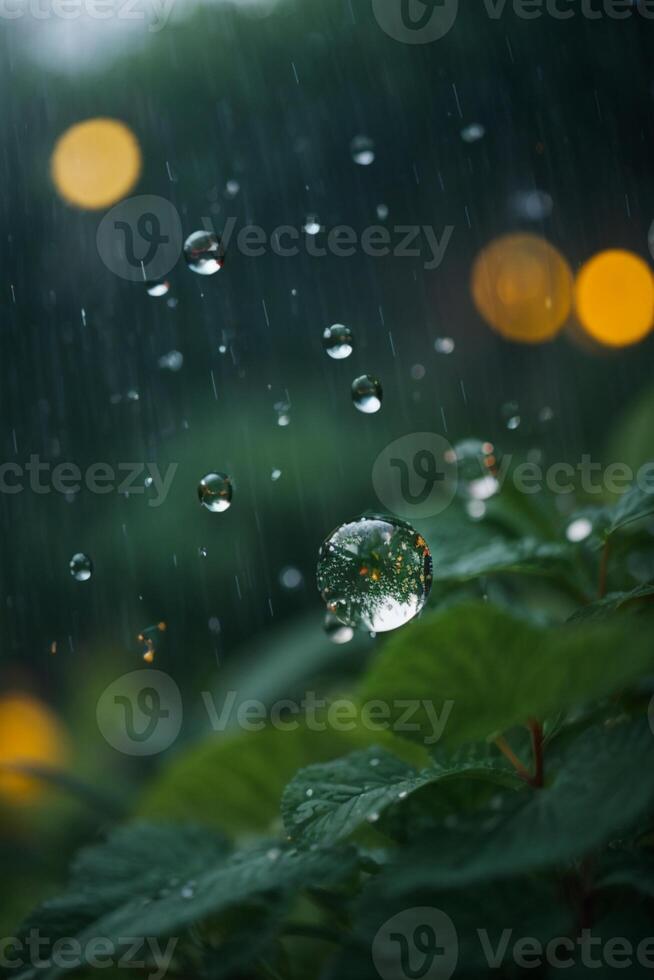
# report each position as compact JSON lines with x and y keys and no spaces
{"x":96,"y":163}
{"x":614,"y":298}
{"x":522,"y":287}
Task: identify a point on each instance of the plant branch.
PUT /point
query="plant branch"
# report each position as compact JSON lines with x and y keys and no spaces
{"x":517,"y":764}
{"x":536,"y":730}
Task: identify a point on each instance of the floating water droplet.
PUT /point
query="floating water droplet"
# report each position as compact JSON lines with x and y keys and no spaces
{"x":382,"y":212}
{"x":534,"y":205}
{"x":204,"y":253}
{"x":215,"y":492}
{"x":367,"y":394}
{"x":291,"y":578}
{"x":147,"y":483}
{"x":546,"y":414}
{"x":511,"y":415}
{"x":214,"y":625}
{"x":418,"y":372}
{"x":309,"y":793}
{"x":579,"y":530}
{"x":159,"y":288}
{"x":363,"y":150}
{"x":473,"y":133}
{"x":232,"y":187}
{"x":202,"y":551}
{"x":338,"y":341}
{"x":172,"y":361}
{"x":312,"y":225}
{"x":275,"y":475}
{"x":337,"y":631}
{"x":477,"y":468}
{"x":443,"y":345}
{"x":188,"y":891}
{"x":81,"y":567}
{"x":374,"y":573}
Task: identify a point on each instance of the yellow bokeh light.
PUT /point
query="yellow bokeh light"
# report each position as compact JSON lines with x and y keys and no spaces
{"x":96,"y":163}
{"x":30,"y":735}
{"x":522,"y":287}
{"x":614,"y":298}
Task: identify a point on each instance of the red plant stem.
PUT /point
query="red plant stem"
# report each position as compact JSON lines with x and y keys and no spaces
{"x":507,"y":751}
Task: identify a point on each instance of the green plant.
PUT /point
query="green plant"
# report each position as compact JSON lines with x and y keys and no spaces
{"x":281,"y":854}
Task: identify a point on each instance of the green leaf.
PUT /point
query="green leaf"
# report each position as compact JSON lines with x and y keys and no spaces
{"x":601,"y":785}
{"x":480,"y":670}
{"x":235,"y":782}
{"x":627,"y":870}
{"x":613,"y":603}
{"x":633,"y":505}
{"x":326,"y":803}
{"x":187,"y":880}
{"x":526,"y":556}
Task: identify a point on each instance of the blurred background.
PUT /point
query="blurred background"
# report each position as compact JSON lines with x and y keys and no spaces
{"x":302,"y":114}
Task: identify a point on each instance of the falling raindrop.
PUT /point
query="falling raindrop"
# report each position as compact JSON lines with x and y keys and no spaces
{"x":337,"y":631}
{"x":204,"y":253}
{"x":275,"y":475}
{"x":338,"y":341}
{"x":215,"y":492}
{"x":232,"y":187}
{"x":443,"y":345}
{"x":374,"y":573}
{"x":81,"y":567}
{"x":148,"y":482}
{"x":473,"y":133}
{"x":203,"y":551}
{"x":382,"y":212}
{"x":511,"y":415}
{"x":158,"y":288}
{"x":367,"y":394}
{"x":363,"y":150}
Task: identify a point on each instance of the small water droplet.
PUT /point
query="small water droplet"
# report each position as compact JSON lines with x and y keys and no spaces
{"x":204,"y":253}
{"x":202,"y":551}
{"x":312,"y":225}
{"x":309,"y":793}
{"x":579,"y":530}
{"x":382,"y":212}
{"x":374,"y":573}
{"x":473,"y":133}
{"x":273,"y":854}
{"x":477,"y":466}
{"x":418,"y":372}
{"x":338,"y":341}
{"x":443,"y":345}
{"x":232,"y":187}
{"x":188,"y":891}
{"x":373,"y":818}
{"x":275,"y":475}
{"x":147,"y":483}
{"x":291,"y":578}
{"x":215,"y":492}
{"x":363,"y":150}
{"x":81,"y":567}
{"x":159,"y":288}
{"x":214,"y":625}
{"x":402,"y":795}
{"x":367,"y":394}
{"x":337,"y":631}
{"x":374,"y":763}
{"x":172,"y":361}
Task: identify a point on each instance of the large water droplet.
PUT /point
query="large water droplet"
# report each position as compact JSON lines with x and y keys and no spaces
{"x":363,"y":150}
{"x":203,"y":253}
{"x":81,"y":567}
{"x":215,"y":492}
{"x":374,"y":573}
{"x":338,"y":341}
{"x":367,"y":394}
